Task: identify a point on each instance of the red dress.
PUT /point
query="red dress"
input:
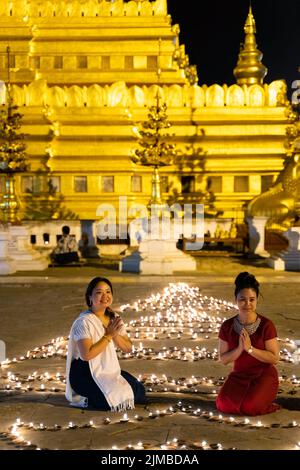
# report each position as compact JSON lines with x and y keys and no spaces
{"x":252,"y":385}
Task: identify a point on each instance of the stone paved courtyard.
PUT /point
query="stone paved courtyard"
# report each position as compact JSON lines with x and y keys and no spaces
{"x":177,"y":361}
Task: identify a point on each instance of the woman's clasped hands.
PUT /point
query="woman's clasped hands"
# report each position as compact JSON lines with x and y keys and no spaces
{"x":114,"y":327}
{"x":244,"y":340}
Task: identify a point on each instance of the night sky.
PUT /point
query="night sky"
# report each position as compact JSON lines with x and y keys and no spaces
{"x":212,"y":37}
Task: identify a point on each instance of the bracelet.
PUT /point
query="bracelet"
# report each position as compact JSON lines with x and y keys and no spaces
{"x":107,"y":337}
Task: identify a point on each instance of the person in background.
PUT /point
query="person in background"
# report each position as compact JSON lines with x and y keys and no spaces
{"x":65,"y":251}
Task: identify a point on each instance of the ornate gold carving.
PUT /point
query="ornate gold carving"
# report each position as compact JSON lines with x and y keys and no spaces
{"x":215,"y":96}
{"x":35,"y":93}
{"x":96,"y":96}
{"x":235,"y":96}
{"x":38,"y":93}
{"x":277,"y":93}
{"x":256,"y":96}
{"x":82,"y":8}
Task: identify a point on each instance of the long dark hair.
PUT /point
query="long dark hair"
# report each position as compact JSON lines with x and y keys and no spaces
{"x":246,"y":280}
{"x":108,"y":311}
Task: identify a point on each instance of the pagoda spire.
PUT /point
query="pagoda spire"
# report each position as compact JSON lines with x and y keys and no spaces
{"x":250,"y":69}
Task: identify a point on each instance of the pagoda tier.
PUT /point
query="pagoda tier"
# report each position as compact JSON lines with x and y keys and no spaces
{"x":89,"y":42}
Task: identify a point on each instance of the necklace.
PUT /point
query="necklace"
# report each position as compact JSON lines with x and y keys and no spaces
{"x":251,"y":328}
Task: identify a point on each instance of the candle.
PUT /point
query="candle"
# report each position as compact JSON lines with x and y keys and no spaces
{"x":124,"y":419}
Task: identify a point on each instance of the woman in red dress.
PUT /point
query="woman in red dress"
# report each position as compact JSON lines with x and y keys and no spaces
{"x":249,"y":340}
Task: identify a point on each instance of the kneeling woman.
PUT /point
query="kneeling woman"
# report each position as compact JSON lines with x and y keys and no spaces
{"x":93,"y":377}
{"x":249,"y":340}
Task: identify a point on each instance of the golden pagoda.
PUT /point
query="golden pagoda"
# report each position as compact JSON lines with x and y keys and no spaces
{"x":82,"y":71}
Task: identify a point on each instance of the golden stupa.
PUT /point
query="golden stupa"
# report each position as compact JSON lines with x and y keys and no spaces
{"x":83,"y":71}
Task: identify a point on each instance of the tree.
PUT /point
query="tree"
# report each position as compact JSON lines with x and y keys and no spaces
{"x":12,"y":145}
{"x":156,"y":151}
{"x":12,"y":153}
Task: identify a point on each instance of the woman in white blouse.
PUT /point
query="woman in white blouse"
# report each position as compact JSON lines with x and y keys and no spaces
{"x":94,"y":377}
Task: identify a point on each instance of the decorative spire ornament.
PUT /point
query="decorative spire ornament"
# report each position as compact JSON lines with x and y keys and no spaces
{"x":155,"y":150}
{"x":250,"y":69}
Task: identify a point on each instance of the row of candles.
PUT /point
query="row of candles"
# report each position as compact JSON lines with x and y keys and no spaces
{"x":141,"y":352}
{"x":153,"y":383}
{"x":178,"y":309}
{"x":155,"y":414}
{"x":14,"y":433}
{"x":58,"y":347}
{"x":15,"y":437}
{"x":173,"y":352}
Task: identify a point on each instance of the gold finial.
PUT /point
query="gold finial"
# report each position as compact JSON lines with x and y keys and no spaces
{"x":250,"y":27}
{"x":250,"y":69}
